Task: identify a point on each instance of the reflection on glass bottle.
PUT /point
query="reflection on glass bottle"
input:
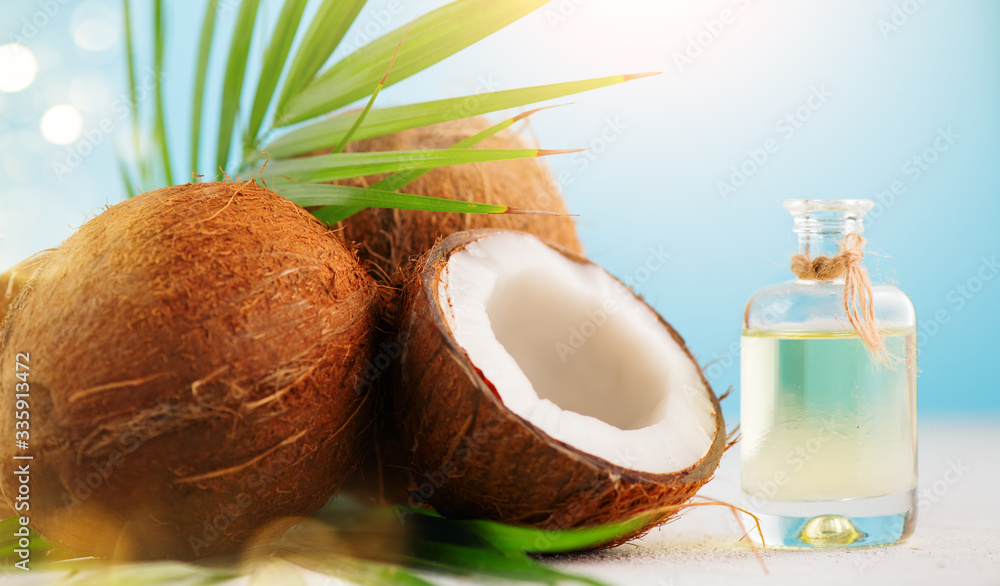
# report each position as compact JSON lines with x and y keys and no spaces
{"x":828,"y":424}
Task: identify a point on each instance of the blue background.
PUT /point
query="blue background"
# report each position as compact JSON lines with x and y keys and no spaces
{"x":895,"y":74}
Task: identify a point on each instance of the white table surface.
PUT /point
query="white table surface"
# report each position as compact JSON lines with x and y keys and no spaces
{"x":956,"y":542}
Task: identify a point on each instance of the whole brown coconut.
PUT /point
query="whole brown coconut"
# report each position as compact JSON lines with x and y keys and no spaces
{"x":194,"y":360}
{"x":389,"y":238}
{"x":474,"y":457}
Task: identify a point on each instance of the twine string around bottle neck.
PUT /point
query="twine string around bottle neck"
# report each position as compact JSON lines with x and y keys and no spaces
{"x":857,"y":287}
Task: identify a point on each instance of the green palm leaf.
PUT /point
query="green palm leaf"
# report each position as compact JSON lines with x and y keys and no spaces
{"x":371,"y":101}
{"x":201,"y":70}
{"x":274,"y":61}
{"x":141,"y":163}
{"x":160,"y":126}
{"x":434,"y":36}
{"x":321,"y":40}
{"x":335,"y":213}
{"x":307,"y":92}
{"x":126,"y":177}
{"x":527,"y":539}
{"x":459,"y":559}
{"x":363,"y":544}
{"x":322,"y":168}
{"x":312,"y":195}
{"x":329,"y":131}
{"x":235,"y":71}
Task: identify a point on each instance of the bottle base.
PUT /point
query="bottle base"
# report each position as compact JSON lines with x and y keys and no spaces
{"x":834,"y":524}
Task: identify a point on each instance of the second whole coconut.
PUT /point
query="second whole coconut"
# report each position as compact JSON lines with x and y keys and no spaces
{"x":389,"y":238}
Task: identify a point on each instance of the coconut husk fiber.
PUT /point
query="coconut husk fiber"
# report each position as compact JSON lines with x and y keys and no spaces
{"x":389,"y":238}
{"x":14,"y":279}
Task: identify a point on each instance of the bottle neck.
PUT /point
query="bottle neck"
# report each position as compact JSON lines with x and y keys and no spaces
{"x":813,"y":244}
{"x":823,"y":224}
{"x":822,"y":230}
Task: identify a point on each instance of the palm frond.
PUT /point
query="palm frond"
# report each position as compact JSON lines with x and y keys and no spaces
{"x":201,"y":70}
{"x":160,"y":125}
{"x":275,"y":58}
{"x":371,"y":101}
{"x":331,"y":214}
{"x":322,"y":39}
{"x":321,"y":168}
{"x":326,"y":132}
{"x":293,"y":87}
{"x":235,"y":70}
{"x":434,"y":36}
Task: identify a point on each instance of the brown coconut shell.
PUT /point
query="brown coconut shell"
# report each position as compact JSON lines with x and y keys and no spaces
{"x":473,"y":458}
{"x":195,"y":358}
{"x":390,"y":238}
{"x":11,"y":283}
{"x":14,"y":279}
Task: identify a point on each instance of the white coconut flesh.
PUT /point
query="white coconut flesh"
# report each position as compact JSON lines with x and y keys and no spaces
{"x":574,"y":352}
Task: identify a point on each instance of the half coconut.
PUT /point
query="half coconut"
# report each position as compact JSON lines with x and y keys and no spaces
{"x":534,"y":388}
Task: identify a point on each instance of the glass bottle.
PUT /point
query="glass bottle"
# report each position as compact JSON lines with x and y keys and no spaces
{"x":829,"y":430}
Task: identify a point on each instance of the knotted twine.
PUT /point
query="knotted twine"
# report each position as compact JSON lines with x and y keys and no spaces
{"x":857,"y":287}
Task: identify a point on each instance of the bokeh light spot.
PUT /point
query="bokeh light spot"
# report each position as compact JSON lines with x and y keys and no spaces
{"x":17,"y":67}
{"x":95,"y":25}
{"x":95,"y":34}
{"x":62,"y":124}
